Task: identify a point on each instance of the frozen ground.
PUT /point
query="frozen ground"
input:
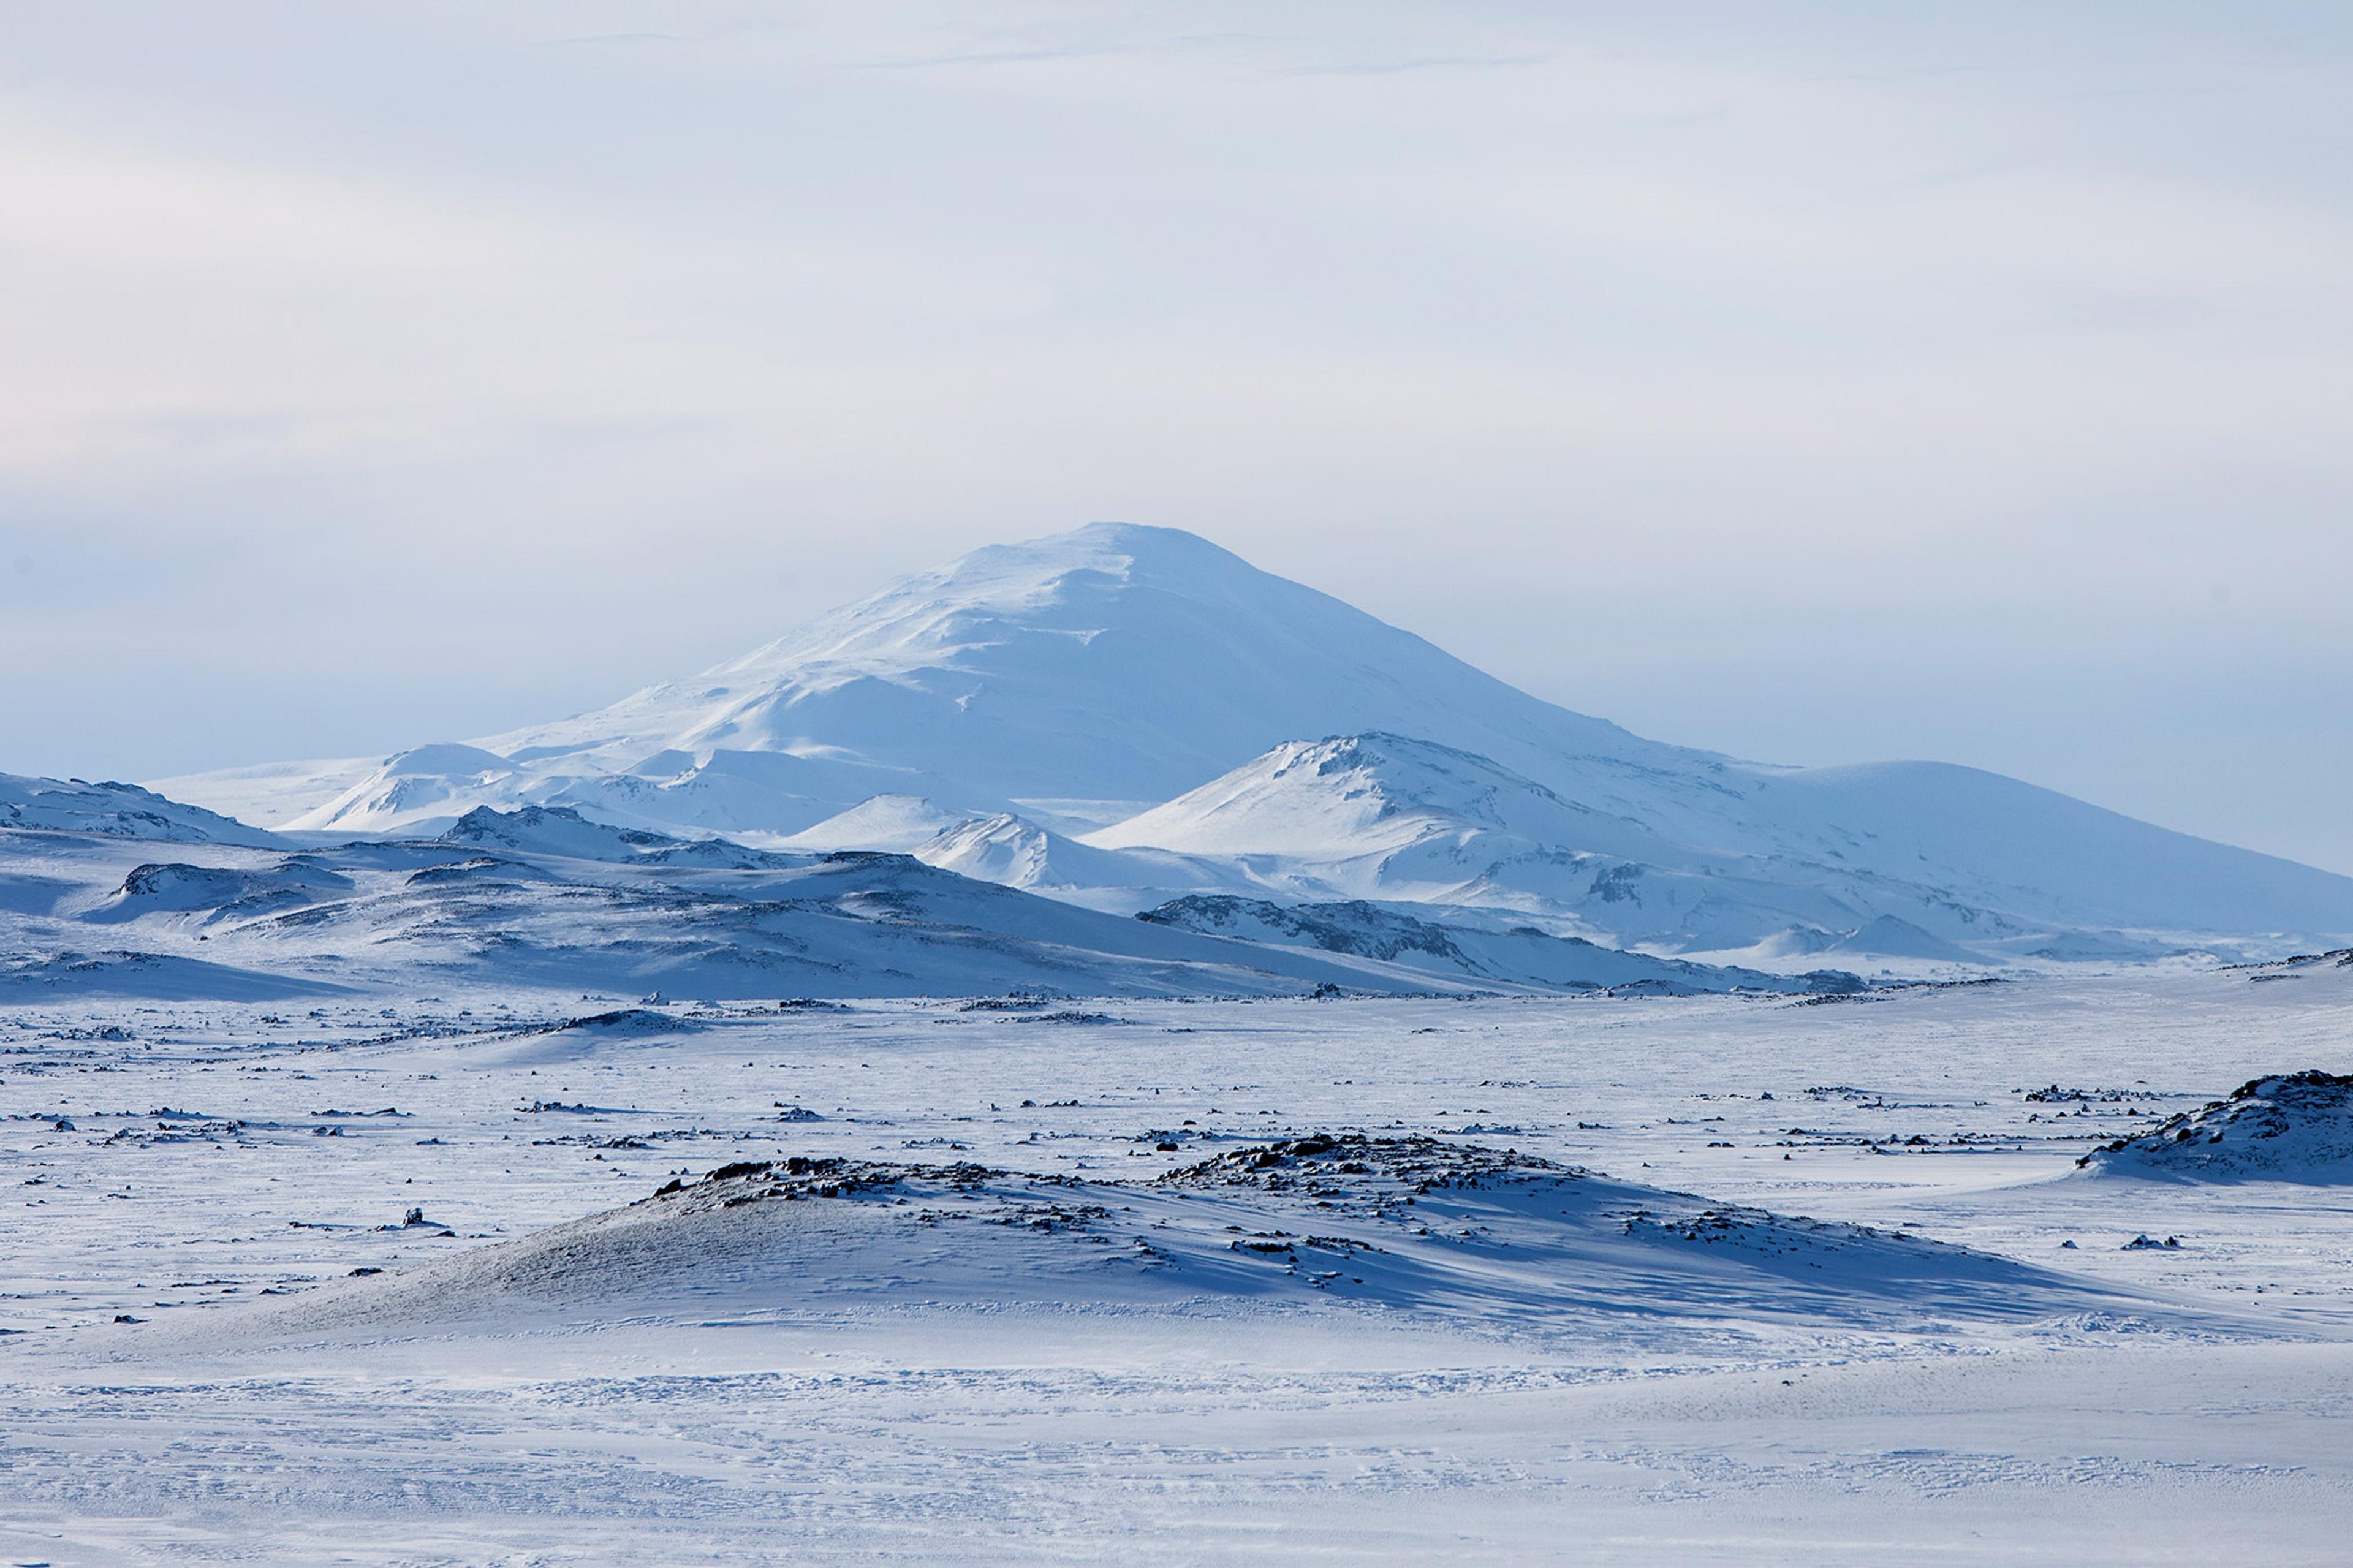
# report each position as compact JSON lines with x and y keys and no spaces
{"x":1514,"y":1368}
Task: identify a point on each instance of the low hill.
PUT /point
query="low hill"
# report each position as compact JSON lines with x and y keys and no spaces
{"x":2297,"y":1127}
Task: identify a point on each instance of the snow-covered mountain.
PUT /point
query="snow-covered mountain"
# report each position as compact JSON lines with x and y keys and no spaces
{"x":541,"y":896}
{"x":1115,"y":664}
{"x":1143,"y":684}
{"x":1390,"y":817}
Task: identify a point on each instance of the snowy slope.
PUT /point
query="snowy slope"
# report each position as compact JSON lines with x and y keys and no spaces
{"x":115,"y":810}
{"x":1018,"y":853}
{"x":423,"y":784}
{"x":1520,"y":956}
{"x":271,"y":794}
{"x":545,"y":896}
{"x":896,"y":824}
{"x":1389,"y":817}
{"x":1374,"y":794}
{"x":1997,"y":843}
{"x":1119,"y":663}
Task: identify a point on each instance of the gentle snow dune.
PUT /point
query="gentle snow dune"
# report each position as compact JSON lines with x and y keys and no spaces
{"x":1441,"y":1230}
{"x":896,"y":824}
{"x":1017,"y":853}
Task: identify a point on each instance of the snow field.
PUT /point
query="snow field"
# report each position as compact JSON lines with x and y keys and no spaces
{"x":841,"y":1401}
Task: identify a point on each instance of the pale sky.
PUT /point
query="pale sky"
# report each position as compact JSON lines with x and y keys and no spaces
{"x":1817,"y":383}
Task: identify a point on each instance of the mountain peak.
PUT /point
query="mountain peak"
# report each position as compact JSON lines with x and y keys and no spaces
{"x":1116,"y":662}
{"x":1355,"y":794}
{"x":1150,"y":545}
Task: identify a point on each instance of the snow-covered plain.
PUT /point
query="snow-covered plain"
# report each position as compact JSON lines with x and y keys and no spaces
{"x":1020,"y":1330}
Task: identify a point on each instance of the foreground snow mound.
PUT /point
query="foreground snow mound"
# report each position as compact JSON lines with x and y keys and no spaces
{"x":1520,"y":956}
{"x":218,"y":892}
{"x":2295,"y":1128}
{"x":556,"y":830}
{"x":1410,"y":1223}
